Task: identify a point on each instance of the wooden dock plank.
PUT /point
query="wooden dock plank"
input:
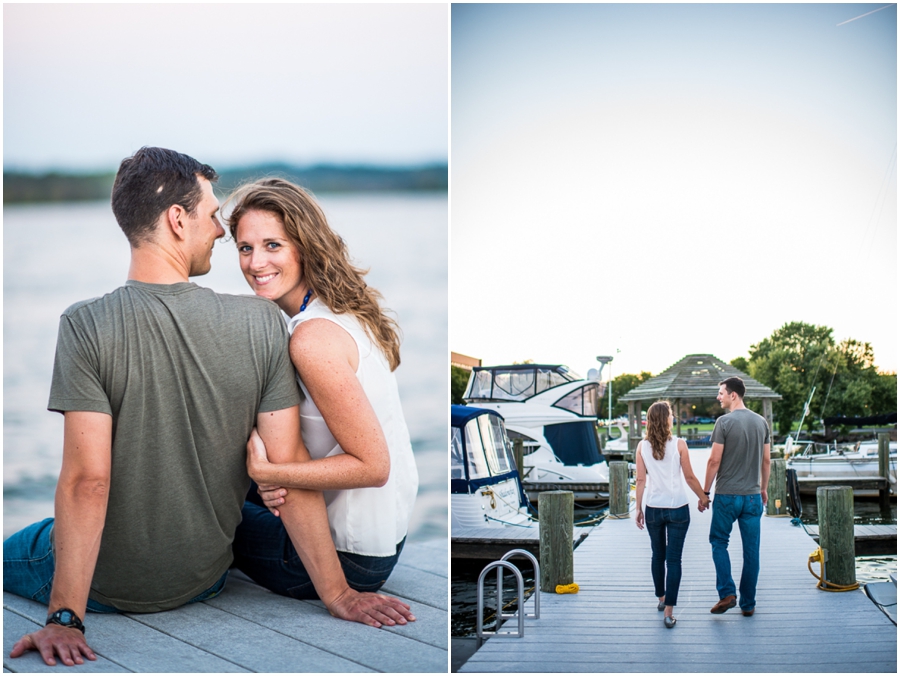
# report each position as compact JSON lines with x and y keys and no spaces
{"x":607,"y":624}
{"x":248,"y":628}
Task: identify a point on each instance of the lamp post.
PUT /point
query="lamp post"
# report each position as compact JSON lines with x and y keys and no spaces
{"x":603,"y":362}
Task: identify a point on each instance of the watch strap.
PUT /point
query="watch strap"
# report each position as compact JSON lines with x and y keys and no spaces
{"x":66,"y":617}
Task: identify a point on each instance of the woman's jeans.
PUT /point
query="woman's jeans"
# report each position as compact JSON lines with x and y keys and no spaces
{"x":28,"y":567}
{"x":667,"y":529}
{"x":264,"y":552}
{"x":747,"y":511}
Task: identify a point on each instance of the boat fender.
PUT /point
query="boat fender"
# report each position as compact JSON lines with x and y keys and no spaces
{"x":567,"y":588}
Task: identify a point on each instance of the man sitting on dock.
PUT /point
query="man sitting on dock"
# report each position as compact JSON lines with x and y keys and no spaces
{"x":161,"y":382}
{"x":739,"y":463}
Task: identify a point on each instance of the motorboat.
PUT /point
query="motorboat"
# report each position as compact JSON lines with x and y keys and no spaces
{"x":817,"y":461}
{"x":485,"y":489}
{"x":553,"y":412}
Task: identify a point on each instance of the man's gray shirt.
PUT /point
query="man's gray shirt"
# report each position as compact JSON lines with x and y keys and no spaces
{"x":743,"y":434}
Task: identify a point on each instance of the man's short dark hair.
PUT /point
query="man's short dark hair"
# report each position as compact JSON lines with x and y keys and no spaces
{"x":148,"y":183}
{"x":735,"y":386}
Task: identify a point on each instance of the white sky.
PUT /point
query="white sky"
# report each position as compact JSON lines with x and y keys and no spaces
{"x":670,"y":179}
{"x":85,"y":85}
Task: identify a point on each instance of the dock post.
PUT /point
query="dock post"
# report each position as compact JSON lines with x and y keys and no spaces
{"x":835,"y":506}
{"x":619,"y":493}
{"x":519,"y":455}
{"x":556,"y":512}
{"x":884,"y":470}
{"x":777,"y":488}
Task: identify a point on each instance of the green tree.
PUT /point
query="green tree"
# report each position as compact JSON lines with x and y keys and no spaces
{"x":791,"y":361}
{"x":621,"y":385}
{"x":741,"y":364}
{"x":459,"y":378}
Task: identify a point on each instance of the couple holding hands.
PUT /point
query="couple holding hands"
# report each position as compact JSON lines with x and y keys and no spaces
{"x":739,"y":464}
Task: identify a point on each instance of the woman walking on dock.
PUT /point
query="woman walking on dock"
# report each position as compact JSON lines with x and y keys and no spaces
{"x":665,"y":460}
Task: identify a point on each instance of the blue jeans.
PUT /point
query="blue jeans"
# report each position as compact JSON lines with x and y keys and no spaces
{"x":28,"y":567}
{"x":747,"y":511}
{"x":667,"y":529}
{"x":264,"y":552}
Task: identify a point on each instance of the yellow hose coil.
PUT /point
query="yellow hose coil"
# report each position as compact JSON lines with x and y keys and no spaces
{"x":823,"y":584}
{"x":567,"y":588}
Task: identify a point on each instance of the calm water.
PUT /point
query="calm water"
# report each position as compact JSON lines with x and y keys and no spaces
{"x":55,"y":255}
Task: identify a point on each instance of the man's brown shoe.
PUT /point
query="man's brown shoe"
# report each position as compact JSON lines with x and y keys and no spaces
{"x":724,"y":604}
{"x":748,"y":613}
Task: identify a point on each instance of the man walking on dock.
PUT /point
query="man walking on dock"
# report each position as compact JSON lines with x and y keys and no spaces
{"x":739,"y":464}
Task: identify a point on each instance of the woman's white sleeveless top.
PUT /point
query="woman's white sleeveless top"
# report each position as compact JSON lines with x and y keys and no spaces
{"x":369,"y":521}
{"x":665,"y":480}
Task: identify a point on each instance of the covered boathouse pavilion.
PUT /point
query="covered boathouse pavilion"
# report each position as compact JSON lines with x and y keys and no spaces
{"x":695,"y":378}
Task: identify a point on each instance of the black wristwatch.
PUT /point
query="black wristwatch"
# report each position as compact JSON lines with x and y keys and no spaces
{"x":65,"y":618}
{"x":706,"y":493}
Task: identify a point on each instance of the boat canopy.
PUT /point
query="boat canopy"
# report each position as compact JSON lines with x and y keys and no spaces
{"x":480,"y":453}
{"x":516,"y":382}
{"x":574,"y":443}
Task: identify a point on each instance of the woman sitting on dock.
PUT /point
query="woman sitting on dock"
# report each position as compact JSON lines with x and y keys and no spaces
{"x":345,"y":349}
{"x":665,"y":460}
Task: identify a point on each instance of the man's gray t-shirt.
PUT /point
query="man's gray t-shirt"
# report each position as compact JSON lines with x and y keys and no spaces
{"x":183,"y":371}
{"x":743,"y":434}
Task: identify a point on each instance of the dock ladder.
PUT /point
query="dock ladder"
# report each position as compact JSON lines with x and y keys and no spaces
{"x":520,"y":613}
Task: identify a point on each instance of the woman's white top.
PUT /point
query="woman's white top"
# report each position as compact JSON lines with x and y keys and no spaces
{"x":665,"y":480}
{"x":369,"y":521}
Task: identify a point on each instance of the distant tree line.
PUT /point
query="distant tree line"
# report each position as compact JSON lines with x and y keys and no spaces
{"x":23,"y":187}
{"x":791,"y":361}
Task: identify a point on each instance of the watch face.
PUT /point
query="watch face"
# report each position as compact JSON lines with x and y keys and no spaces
{"x":65,"y":616}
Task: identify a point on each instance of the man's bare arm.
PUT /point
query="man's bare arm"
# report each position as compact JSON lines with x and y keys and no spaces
{"x":712,"y":467}
{"x":306,"y":520}
{"x":82,"y":494}
{"x":764,"y":473}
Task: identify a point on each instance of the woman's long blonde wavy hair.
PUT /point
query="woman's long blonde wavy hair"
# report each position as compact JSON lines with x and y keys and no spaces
{"x":327,"y":269}
{"x":658,"y":429}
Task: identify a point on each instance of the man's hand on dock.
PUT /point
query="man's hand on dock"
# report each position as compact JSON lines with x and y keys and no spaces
{"x":374,"y":610}
{"x":53,"y":640}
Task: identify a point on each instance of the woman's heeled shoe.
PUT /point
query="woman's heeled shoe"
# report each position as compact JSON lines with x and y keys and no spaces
{"x":661,"y":606}
{"x":669,"y":622}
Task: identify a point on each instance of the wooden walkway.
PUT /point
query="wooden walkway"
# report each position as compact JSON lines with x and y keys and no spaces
{"x":612,"y":625}
{"x":248,"y":629}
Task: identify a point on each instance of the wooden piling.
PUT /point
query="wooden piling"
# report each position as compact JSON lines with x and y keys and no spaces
{"x":835,"y":507}
{"x":777,"y":488}
{"x":619,"y":493}
{"x":519,"y":455}
{"x":556,"y":511}
{"x":884,"y":470}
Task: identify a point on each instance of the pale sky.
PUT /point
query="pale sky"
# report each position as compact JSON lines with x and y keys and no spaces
{"x":652,"y":181}
{"x":86,"y":85}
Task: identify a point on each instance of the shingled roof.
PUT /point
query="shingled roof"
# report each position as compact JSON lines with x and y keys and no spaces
{"x":696,"y":376}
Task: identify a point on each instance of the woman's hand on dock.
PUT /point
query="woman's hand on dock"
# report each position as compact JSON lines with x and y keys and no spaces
{"x":639,"y":518}
{"x":53,"y":640}
{"x":374,"y":610}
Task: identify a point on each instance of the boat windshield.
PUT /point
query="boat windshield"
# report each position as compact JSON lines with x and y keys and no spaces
{"x":516,"y":384}
{"x":457,"y":459}
{"x":487,"y":448}
{"x":582,"y":401}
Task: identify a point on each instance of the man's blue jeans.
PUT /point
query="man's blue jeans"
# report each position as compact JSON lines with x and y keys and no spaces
{"x":264,"y":552}
{"x":747,"y":511}
{"x":28,"y":567}
{"x":667,"y":529}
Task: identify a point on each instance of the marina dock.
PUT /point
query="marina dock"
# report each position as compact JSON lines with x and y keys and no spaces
{"x":249,"y":629}
{"x":875,"y":539}
{"x":612,"y":622}
{"x":491,"y":543}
